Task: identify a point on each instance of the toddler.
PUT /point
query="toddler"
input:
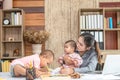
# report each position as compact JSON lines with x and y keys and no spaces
{"x":18,"y":66}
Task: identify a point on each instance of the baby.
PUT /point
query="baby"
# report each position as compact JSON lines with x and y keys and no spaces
{"x":70,"y":58}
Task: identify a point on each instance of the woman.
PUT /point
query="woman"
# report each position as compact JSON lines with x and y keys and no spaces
{"x":89,"y":51}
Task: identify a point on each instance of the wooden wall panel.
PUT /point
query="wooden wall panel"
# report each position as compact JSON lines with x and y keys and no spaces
{"x":109,"y":4}
{"x":35,"y":19}
{"x":35,"y":22}
{"x":35,"y":27}
{"x":87,"y":3}
{"x":28,"y":3}
{"x":58,"y":24}
{"x":33,"y":9}
{"x":36,"y":16}
{"x":74,"y":19}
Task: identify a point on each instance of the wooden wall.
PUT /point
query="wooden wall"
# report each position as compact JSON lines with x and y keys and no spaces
{"x":61,"y":20}
{"x":34,"y":17}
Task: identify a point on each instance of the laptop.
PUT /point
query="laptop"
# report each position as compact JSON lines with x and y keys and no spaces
{"x":111,"y":66}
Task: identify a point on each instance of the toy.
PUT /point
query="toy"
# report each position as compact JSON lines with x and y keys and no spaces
{"x":30,"y":72}
{"x":16,"y":52}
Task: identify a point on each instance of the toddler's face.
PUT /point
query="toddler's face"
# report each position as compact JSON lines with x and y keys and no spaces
{"x":46,"y":61}
{"x":68,"y":49}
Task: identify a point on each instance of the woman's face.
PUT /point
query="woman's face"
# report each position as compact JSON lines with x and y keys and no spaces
{"x":81,"y":47}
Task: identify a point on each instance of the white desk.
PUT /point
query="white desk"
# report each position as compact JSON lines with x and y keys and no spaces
{"x":98,"y":77}
{"x":6,"y":76}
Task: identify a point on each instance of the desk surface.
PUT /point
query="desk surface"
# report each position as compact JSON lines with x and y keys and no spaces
{"x":7,"y":76}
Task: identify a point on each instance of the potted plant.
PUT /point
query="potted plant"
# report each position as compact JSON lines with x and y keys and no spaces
{"x":36,"y":38}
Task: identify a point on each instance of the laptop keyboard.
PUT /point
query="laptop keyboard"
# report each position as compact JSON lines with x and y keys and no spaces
{"x":95,"y":72}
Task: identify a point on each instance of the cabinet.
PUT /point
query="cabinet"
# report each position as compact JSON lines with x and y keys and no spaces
{"x":104,"y":24}
{"x":12,"y":45}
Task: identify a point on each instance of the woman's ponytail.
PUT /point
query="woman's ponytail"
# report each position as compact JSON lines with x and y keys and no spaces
{"x":97,"y":49}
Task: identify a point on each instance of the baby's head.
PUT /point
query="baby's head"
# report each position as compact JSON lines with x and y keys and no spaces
{"x":46,"y":58}
{"x":70,"y":46}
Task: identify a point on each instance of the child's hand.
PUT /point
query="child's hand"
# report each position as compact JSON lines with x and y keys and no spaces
{"x":44,"y":69}
{"x":27,"y":66}
{"x":61,"y":61}
{"x":38,"y":73}
{"x":68,"y":60}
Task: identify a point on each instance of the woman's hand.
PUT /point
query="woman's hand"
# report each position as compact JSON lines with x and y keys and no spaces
{"x":68,"y":60}
{"x":67,"y":70}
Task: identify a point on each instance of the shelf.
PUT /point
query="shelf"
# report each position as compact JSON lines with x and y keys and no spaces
{"x":11,"y":26}
{"x":113,"y":29}
{"x":110,"y":51}
{"x":107,"y":29}
{"x":12,"y":34}
{"x":103,"y":23}
{"x":91,"y":29}
{"x":13,"y":10}
{"x":112,"y":9}
{"x":12,"y":41}
{"x":91,"y":9}
{"x":10,"y":58}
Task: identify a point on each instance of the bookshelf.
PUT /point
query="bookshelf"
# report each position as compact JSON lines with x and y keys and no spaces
{"x":104,"y":24}
{"x":12,"y":45}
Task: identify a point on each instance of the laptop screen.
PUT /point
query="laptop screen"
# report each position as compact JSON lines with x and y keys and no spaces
{"x":112,"y":65}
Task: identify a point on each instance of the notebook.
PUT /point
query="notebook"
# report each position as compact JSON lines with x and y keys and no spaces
{"x":112,"y":65}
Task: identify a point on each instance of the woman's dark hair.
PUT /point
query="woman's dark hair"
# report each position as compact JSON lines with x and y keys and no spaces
{"x":72,"y":44}
{"x":90,"y":41}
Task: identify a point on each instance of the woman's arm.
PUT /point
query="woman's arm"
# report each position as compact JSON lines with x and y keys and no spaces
{"x":90,"y":67}
{"x":68,"y":60}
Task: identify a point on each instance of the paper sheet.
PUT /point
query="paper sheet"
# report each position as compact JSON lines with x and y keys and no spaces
{"x":55,"y":77}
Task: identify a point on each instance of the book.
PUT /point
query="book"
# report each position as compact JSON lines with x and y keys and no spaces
{"x":96,"y":36}
{"x":81,"y":22}
{"x":0,"y":66}
{"x":101,"y":40}
{"x":101,"y":22}
{"x":110,"y":22}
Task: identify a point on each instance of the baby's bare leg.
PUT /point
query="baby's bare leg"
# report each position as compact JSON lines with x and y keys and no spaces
{"x":19,"y":70}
